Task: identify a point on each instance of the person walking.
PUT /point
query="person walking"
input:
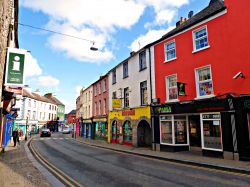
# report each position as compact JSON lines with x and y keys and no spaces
{"x":15,"y":136}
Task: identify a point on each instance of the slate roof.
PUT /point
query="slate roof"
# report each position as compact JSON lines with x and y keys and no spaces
{"x":214,"y":7}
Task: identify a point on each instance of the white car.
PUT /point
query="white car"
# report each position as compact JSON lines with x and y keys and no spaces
{"x":66,"y":131}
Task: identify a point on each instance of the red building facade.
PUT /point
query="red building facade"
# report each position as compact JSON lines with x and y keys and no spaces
{"x":202,"y":80}
{"x":100,"y":108}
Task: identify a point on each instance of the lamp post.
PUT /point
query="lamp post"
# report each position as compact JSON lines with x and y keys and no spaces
{"x":26,"y":134}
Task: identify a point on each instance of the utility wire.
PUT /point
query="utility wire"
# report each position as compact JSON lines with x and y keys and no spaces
{"x":55,"y":32}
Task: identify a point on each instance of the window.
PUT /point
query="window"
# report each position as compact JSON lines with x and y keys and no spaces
{"x":142,"y":60}
{"x":29,"y":103}
{"x":125,"y":69}
{"x":144,"y":93}
{"x":89,"y":95}
{"x":95,"y":108}
{"x":89,"y":110}
{"x":34,"y":104}
{"x":204,"y":82}
{"x":114,"y":95}
{"x":200,"y":39}
{"x":28,"y":114}
{"x":96,"y":90}
{"x":172,"y":91}
{"x":104,"y":85}
{"x":173,"y":129}
{"x":211,"y":131}
{"x":126,"y":97}
{"x":114,"y":77}
{"x":170,"y":51}
{"x":100,"y":88}
{"x":104,"y":106}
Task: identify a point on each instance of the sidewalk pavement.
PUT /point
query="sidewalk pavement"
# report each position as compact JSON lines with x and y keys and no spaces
{"x":185,"y":157}
{"x":17,"y":170}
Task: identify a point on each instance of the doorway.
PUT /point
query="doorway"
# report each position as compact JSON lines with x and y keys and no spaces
{"x":144,"y":134}
{"x":194,"y":130}
{"x":114,"y":133}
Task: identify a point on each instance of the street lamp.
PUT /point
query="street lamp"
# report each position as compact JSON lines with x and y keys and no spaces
{"x":26,"y":136}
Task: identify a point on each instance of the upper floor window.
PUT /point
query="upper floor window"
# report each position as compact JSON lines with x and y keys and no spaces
{"x":126,"y":97}
{"x":29,"y":103}
{"x":171,"y":85}
{"x":200,"y":39}
{"x":100,"y":88}
{"x":34,"y":104}
{"x":204,"y":83}
{"x":114,"y":95}
{"x":104,"y":85}
{"x":99,"y":107}
{"x":142,"y":60}
{"x":144,"y":93}
{"x":104,"y":105}
{"x":170,"y":51}
{"x":96,"y":90}
{"x":125,"y":69}
{"x":113,"y":76}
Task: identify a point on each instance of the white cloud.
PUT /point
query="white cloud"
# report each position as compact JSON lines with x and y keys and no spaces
{"x":77,"y":90}
{"x":147,"y":38}
{"x":47,"y":81}
{"x":31,"y":66}
{"x":97,"y":20}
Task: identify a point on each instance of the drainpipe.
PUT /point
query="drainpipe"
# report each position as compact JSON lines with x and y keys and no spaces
{"x":151,"y":98}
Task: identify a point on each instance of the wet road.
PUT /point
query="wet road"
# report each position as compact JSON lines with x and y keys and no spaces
{"x":92,"y":166}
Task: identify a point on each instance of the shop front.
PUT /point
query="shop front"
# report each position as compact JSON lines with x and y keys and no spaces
{"x":27,"y":127}
{"x":87,"y":128}
{"x":101,"y":128}
{"x":130,"y":127}
{"x":203,"y":125}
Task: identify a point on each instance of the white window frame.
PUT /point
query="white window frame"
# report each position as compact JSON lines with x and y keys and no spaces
{"x":167,"y":88}
{"x":194,"y":39}
{"x":197,"y":82}
{"x":142,"y":63}
{"x":173,"y":130}
{"x":202,"y":131}
{"x":166,"y":51}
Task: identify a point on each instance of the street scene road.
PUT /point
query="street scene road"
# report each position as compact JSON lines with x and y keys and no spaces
{"x":91,"y":166}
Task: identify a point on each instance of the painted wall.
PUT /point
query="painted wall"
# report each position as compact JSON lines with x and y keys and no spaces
{"x":228,"y":37}
{"x":86,"y":100}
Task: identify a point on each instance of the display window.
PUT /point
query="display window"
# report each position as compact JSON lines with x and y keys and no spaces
{"x":211,"y":125}
{"x":173,"y":130}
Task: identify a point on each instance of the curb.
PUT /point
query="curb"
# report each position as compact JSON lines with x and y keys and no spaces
{"x":187,"y":162}
{"x":47,"y":174}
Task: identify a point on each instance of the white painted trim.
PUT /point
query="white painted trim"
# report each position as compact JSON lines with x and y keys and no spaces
{"x":197,"y":25}
{"x":165,"y":50}
{"x":167,"y":92}
{"x":196,"y":51}
{"x":170,"y":60}
{"x":194,"y":39}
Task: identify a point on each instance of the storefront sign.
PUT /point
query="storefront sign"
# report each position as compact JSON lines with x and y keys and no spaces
{"x":210,"y":116}
{"x":116,"y":103}
{"x":128,"y":112}
{"x":181,"y":89}
{"x":14,"y":75}
{"x":100,"y":120}
{"x":16,"y":90}
{"x":165,"y":109}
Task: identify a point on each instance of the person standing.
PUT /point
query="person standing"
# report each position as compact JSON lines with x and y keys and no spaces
{"x":15,"y":136}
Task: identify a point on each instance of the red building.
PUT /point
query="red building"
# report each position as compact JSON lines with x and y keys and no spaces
{"x":100,"y":108}
{"x":72,"y":121}
{"x":202,"y":79}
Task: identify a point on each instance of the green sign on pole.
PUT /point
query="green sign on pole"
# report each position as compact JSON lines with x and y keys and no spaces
{"x":14,"y":75}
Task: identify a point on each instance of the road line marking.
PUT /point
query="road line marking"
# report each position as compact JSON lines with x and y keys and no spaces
{"x":67,"y":179}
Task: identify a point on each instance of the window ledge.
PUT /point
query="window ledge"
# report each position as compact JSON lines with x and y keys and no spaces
{"x":204,"y":97}
{"x":172,"y":101}
{"x":172,"y":59}
{"x":142,"y":69}
{"x":125,"y":77}
{"x":195,"y":51}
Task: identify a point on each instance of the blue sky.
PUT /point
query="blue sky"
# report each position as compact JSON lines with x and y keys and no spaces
{"x":62,"y":65}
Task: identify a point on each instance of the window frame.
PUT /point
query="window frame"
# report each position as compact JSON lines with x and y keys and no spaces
{"x":142,"y":60}
{"x":126,"y":97}
{"x":195,"y":39}
{"x":114,"y":76}
{"x":197,"y":82}
{"x":166,"y":50}
{"x":143,"y":90}
{"x":125,"y":70}
{"x":167,"y":78}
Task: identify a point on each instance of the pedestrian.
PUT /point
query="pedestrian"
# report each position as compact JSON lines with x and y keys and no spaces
{"x":15,"y":135}
{"x":19,"y":136}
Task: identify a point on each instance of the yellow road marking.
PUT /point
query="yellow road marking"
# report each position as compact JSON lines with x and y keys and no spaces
{"x":53,"y":168}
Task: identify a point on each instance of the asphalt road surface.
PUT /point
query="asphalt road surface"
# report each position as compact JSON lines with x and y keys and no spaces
{"x":92,"y":166}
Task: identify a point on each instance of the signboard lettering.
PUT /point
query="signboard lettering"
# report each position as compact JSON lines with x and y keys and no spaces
{"x":116,"y":103}
{"x":128,"y":112}
{"x":165,"y":109}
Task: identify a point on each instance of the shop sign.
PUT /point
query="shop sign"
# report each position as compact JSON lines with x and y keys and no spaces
{"x":128,"y":112}
{"x":181,"y":89}
{"x":116,"y":103}
{"x":16,"y":90}
{"x":210,"y":116}
{"x":165,"y":109}
{"x":14,"y":75}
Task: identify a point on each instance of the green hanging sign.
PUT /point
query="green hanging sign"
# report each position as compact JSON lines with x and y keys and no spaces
{"x":181,"y":89}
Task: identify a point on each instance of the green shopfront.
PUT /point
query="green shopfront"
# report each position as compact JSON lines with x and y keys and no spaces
{"x":101,"y":128}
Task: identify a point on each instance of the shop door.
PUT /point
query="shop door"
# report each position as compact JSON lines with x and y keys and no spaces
{"x":115,"y":136}
{"x":194,"y":130}
{"x":144,"y":134}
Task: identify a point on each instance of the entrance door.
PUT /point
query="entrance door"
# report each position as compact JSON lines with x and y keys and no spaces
{"x":144,"y":134}
{"x":115,"y":135}
{"x":194,"y":130}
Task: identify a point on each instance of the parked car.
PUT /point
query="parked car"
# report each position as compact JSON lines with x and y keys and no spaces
{"x":66,"y":131}
{"x":45,"y":133}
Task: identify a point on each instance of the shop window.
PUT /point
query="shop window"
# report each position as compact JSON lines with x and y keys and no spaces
{"x":174,"y":130}
{"x":211,"y":131}
{"x":200,"y":39}
{"x":127,"y":132}
{"x":170,"y":51}
{"x":204,"y":82}
{"x":171,"y":84}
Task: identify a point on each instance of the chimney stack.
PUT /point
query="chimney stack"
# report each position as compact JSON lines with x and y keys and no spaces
{"x":190,"y":14}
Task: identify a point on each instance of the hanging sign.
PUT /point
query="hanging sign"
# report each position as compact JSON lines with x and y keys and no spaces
{"x":116,"y":103}
{"x":14,"y":75}
{"x":181,"y":89}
